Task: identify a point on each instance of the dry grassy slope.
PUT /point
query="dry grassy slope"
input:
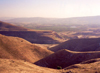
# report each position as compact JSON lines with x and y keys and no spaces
{"x":90,"y":44}
{"x":18,"y":48}
{"x":19,"y":66}
{"x":90,"y":66}
{"x":34,"y":36}
{"x":10,"y":27}
{"x":65,"y":58}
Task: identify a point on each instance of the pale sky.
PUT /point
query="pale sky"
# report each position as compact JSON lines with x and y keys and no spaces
{"x":49,"y":8}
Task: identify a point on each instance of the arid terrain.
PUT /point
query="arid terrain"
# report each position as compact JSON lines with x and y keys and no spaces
{"x":34,"y":36}
{"x":84,"y":44}
{"x":18,"y":48}
{"x":20,"y":66}
{"x":67,"y":28}
{"x":65,"y":58}
{"x":50,"y":45}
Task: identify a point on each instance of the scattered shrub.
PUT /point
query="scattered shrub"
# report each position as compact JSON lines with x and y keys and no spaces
{"x":59,"y":67}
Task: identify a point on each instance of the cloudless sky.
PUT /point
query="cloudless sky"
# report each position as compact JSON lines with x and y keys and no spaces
{"x":49,"y":8}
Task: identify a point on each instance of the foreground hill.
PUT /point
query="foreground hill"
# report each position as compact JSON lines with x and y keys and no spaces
{"x":19,"y":66}
{"x":65,"y":58}
{"x":34,"y":36}
{"x":89,"y":66}
{"x":18,"y":48}
{"x":88,"y":44}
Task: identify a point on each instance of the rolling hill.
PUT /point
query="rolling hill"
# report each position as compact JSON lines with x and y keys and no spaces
{"x":89,"y":66}
{"x":20,"y":49}
{"x":87,"y":44}
{"x":34,"y":36}
{"x":65,"y":58}
{"x":20,"y":66}
{"x":10,"y":27}
{"x":14,"y":49}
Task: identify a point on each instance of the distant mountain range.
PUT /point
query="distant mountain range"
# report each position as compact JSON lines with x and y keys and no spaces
{"x":73,"y":20}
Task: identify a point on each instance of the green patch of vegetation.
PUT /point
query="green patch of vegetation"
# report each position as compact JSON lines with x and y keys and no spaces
{"x":59,"y":67}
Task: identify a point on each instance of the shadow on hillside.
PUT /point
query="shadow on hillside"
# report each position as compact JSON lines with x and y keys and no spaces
{"x":31,"y":36}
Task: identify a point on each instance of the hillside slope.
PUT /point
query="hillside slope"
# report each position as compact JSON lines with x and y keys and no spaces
{"x":34,"y":36}
{"x":89,"y":66}
{"x":65,"y":58}
{"x":19,"y":66}
{"x":10,"y":27}
{"x":18,"y":48}
{"x":88,"y":44}
{"x":40,"y":37}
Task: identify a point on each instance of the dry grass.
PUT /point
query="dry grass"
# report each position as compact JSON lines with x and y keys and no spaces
{"x":65,"y":58}
{"x":19,"y":66}
{"x":18,"y":48}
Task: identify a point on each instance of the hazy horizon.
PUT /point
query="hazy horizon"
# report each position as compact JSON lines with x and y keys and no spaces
{"x":49,"y":8}
{"x":48,"y":17}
